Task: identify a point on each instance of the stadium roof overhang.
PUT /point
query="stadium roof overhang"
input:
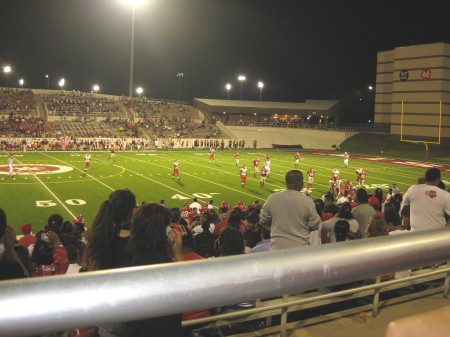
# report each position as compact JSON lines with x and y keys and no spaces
{"x":329,"y":108}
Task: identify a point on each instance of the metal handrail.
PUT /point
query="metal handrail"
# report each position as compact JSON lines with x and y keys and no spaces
{"x":42,"y":305}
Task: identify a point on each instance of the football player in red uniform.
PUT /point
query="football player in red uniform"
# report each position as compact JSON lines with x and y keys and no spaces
{"x":362,"y":178}
{"x":176,"y":170}
{"x":205,"y":208}
{"x":255,"y":167}
{"x":310,"y":173}
{"x":185,"y":211}
{"x":263,"y":176}
{"x":236,"y":158}
{"x":335,"y":172}
{"x":211,"y":156}
{"x":113,"y":154}
{"x":296,"y":159}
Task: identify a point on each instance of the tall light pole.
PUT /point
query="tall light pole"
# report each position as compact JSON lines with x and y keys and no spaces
{"x":133,"y":4}
{"x":241,"y":78}
{"x":228,"y":87}
{"x":7,"y":70}
{"x":260,"y":86}
{"x":21,"y":82}
{"x":180,"y":76}
{"x":48,"y":81}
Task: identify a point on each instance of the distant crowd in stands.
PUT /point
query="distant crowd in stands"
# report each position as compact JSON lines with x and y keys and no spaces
{"x":75,"y":103}
{"x":17,"y":101}
{"x":22,"y":126}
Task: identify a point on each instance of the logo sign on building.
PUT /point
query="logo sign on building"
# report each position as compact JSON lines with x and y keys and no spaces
{"x":425,"y":74}
{"x":403,"y":75}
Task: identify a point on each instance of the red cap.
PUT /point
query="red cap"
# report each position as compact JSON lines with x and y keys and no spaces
{"x":373,"y":201}
{"x":26,"y":228}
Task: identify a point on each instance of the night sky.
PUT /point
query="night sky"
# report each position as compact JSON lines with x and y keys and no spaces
{"x":299,"y":49}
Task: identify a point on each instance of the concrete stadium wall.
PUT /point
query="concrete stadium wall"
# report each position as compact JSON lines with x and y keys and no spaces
{"x":309,"y":139}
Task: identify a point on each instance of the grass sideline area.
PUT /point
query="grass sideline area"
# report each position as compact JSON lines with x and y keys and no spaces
{"x":377,"y":144}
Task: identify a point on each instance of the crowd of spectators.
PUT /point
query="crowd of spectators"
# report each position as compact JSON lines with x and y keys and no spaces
{"x":29,"y":126}
{"x":17,"y":101}
{"x":78,"y":103}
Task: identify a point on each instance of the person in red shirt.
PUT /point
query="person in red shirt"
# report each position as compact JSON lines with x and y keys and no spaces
{"x":205,"y":208}
{"x":236,"y":158}
{"x":28,"y":238}
{"x":50,"y":256}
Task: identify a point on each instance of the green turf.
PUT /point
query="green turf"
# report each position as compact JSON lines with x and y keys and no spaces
{"x":377,"y":144}
{"x":32,"y":199}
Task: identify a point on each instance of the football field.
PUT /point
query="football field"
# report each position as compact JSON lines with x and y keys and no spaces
{"x":55,"y":182}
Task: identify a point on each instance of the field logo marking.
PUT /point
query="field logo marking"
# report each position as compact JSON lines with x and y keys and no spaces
{"x":32,"y":169}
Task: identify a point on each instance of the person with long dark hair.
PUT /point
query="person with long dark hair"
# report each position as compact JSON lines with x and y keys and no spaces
{"x":107,"y":240}
{"x":152,"y":241}
{"x":109,"y":232}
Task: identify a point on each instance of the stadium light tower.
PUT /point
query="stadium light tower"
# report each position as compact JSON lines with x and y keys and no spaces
{"x":260,"y":86}
{"x":21,"y":82}
{"x":133,"y":4}
{"x":96,"y":88}
{"x":48,"y":81}
{"x":228,"y":87}
{"x":180,"y":76}
{"x":7,"y":70}
{"x":139,"y":91}
{"x":61,"y":83}
{"x":241,"y":78}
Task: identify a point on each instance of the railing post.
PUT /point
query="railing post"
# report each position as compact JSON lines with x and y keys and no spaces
{"x":376,"y":297}
{"x":446,"y":282}
{"x":284,"y":312}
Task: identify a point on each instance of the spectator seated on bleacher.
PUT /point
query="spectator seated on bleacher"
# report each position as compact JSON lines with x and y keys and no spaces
{"x":22,"y":126}
{"x":17,"y":101}
{"x":75,"y":103}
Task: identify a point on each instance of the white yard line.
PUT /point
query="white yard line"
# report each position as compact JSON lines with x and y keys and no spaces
{"x":209,"y":181}
{"x":155,"y":181}
{"x":53,"y":194}
{"x":82,"y":171}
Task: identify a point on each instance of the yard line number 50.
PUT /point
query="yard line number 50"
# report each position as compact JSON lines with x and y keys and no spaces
{"x":51,"y":203}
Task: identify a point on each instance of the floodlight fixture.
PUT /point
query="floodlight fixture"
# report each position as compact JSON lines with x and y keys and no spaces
{"x":21,"y":82}
{"x":95,"y":87}
{"x":61,"y":83}
{"x":139,"y":91}
{"x":241,"y":78}
{"x":260,"y":86}
{"x":228,"y":87}
{"x":7,"y":69}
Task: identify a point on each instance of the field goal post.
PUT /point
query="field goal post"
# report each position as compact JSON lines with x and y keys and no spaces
{"x":421,"y":141}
